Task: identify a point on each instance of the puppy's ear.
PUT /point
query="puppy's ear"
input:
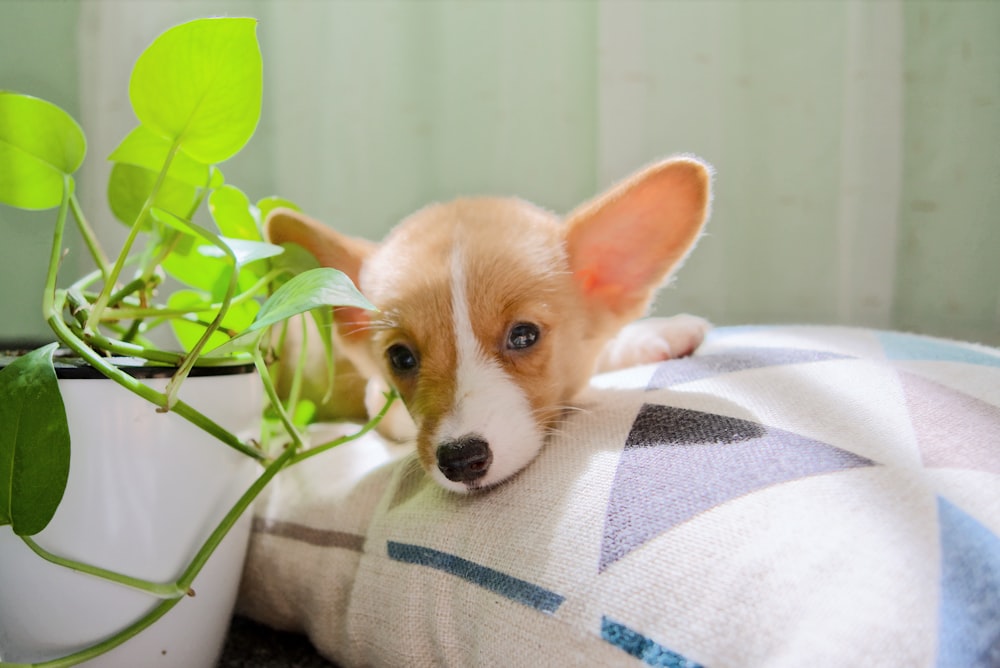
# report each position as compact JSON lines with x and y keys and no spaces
{"x":330,"y":248}
{"x":625,"y":243}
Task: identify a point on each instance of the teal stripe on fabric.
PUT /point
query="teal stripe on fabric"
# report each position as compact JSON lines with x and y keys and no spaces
{"x":912,"y":347}
{"x":649,"y":652}
{"x":506,"y":585}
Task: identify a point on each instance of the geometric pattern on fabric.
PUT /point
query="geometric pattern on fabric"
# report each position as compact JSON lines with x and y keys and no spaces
{"x":969,"y":618}
{"x":953,"y":429}
{"x":910,"y":347}
{"x":678,"y":463}
{"x":641,"y":647}
{"x":849,"y":516}
{"x":686,"y":369}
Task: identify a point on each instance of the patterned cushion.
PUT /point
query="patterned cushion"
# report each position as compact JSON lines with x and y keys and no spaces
{"x":790,"y":496}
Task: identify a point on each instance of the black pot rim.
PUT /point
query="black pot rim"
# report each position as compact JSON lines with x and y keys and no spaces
{"x":69,"y":366}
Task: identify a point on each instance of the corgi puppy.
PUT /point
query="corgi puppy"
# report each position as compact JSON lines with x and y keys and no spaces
{"x":494,"y":313}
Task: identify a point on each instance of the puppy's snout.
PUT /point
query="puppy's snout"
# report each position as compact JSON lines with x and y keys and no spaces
{"x":466,"y":459}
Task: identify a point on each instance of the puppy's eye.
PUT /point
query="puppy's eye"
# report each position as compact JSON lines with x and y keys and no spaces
{"x":522,"y":335}
{"x":401,"y":358}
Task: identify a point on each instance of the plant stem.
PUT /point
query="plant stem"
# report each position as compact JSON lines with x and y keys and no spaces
{"x":188,"y":576}
{"x":173,"y":387}
{"x":72,"y":341}
{"x":89,"y":237}
{"x":289,"y":457}
{"x":371,"y":424}
{"x":109,"y":283}
{"x":299,"y":372}
{"x":49,"y":294}
{"x":131,"y":287}
{"x":131,"y":313}
{"x":272,"y":395}
{"x":159,"y":590}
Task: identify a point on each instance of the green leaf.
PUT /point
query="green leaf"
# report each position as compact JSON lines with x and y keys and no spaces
{"x":40,"y":144}
{"x":311,"y":289}
{"x":129,"y":186}
{"x":230,"y":210}
{"x":144,"y":148}
{"x":305,"y":413}
{"x":216,"y":178}
{"x":269,"y":204}
{"x":238,"y":251}
{"x":245,"y":251}
{"x":210,"y":266}
{"x":316,"y":288}
{"x":198,"y":271}
{"x":189,"y":330}
{"x":34,"y":442}
{"x":199,"y":85}
{"x":295,"y":259}
{"x":196,"y":268}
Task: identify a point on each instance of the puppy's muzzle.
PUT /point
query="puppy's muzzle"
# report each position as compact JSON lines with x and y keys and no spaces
{"x":466,"y":459}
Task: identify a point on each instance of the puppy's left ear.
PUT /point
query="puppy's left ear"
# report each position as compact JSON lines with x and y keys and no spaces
{"x":331,"y":249}
{"x":625,"y":243}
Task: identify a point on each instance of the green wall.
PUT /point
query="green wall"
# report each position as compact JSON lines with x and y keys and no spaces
{"x":374,"y":108}
{"x":950,"y":209}
{"x":37,"y":56}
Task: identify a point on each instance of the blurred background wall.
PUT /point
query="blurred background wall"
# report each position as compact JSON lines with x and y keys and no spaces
{"x":856,"y":143}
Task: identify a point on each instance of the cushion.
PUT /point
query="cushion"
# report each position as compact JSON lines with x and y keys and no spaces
{"x":788,"y":496}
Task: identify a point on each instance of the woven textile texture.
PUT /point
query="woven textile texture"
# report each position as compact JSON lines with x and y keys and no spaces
{"x":789,"y":496}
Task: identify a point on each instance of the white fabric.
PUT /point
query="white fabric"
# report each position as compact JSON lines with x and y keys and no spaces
{"x":787,"y":497}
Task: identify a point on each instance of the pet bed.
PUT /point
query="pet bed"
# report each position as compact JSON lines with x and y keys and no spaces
{"x":789,"y":496}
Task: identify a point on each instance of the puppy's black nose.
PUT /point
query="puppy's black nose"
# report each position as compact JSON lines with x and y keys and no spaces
{"x":465,"y":459}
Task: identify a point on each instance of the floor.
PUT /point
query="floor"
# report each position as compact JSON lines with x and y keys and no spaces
{"x":251,"y":645}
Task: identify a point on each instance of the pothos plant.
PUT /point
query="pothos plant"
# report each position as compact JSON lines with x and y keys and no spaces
{"x":196,"y":92}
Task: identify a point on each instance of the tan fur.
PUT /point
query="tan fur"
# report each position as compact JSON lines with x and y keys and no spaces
{"x":580,"y":281}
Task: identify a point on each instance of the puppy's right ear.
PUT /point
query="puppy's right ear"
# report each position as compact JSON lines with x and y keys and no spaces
{"x":331,"y":249}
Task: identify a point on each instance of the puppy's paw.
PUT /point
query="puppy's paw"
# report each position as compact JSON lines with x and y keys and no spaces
{"x":397,"y":423}
{"x":653,"y":340}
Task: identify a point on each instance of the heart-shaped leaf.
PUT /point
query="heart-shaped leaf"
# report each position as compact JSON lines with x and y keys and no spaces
{"x":200,"y":85}
{"x":231,"y":212}
{"x":40,"y":144}
{"x":129,"y":186}
{"x":245,"y":251}
{"x":144,"y":148}
{"x":311,"y":289}
{"x":322,"y":287}
{"x":189,"y":330}
{"x":269,"y":204}
{"x":34,"y":442}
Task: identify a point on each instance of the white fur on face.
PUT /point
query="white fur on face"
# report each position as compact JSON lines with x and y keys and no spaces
{"x":487,"y":402}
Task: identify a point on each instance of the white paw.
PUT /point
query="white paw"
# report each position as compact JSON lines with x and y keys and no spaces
{"x":397,"y":423}
{"x":653,"y":340}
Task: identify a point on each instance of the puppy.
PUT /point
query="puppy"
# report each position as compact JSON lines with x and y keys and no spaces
{"x":493,"y":313}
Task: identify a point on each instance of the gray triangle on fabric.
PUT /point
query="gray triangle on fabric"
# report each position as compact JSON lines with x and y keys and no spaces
{"x":687,"y":369}
{"x":678,"y":463}
{"x":953,"y":429}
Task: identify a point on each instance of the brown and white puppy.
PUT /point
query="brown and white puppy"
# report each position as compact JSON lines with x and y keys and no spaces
{"x":494,"y":314}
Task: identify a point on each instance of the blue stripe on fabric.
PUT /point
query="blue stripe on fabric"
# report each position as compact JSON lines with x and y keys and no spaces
{"x":508,"y":586}
{"x":969,"y":610}
{"x":641,"y":647}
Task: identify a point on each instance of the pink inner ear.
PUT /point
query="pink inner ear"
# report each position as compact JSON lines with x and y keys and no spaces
{"x":623,"y":245}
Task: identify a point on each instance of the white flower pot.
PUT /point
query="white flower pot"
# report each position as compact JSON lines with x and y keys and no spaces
{"x":145,"y":490}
